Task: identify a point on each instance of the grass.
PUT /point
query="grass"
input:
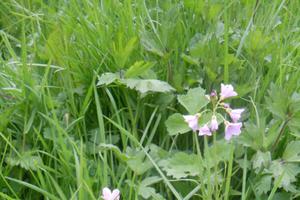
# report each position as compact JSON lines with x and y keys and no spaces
{"x":65,"y":137}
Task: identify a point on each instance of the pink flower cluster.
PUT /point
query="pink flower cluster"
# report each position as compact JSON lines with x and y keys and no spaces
{"x":231,"y":128}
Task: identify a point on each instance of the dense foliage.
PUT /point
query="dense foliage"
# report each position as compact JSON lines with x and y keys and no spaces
{"x":97,"y":94}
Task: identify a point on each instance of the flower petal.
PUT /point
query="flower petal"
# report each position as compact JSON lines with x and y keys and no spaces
{"x":106,"y":193}
{"x":227,"y":91}
{"x":214,"y":123}
{"x":235,"y":114}
{"x":115,"y":194}
{"x":232,"y":129}
{"x":192,"y":121}
{"x":204,"y":130}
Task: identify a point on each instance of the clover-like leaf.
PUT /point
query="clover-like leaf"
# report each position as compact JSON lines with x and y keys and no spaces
{"x":181,"y":165}
{"x":176,"y":125}
{"x":194,"y":100}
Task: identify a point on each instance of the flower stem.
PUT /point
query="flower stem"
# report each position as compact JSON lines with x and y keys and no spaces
{"x":229,"y":173}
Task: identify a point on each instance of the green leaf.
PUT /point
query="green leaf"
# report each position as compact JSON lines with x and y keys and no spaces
{"x":146,"y":191}
{"x":107,"y":78}
{"x":190,"y":59}
{"x":181,"y":165}
{"x":289,"y":171}
{"x":277,"y":101}
{"x":292,"y":152}
{"x":138,"y":68}
{"x":263,"y":185}
{"x":26,"y":161}
{"x":150,"y":85}
{"x":176,"y":125}
{"x":122,"y":52}
{"x":194,"y":100}
{"x":261,"y":160}
{"x":219,"y":152}
{"x":137,"y":161}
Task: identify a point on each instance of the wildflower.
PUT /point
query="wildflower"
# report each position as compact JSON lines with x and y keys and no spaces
{"x":213,"y":123}
{"x":225,"y":105}
{"x":192,"y":121}
{"x":227,"y":91}
{"x":232,"y":129}
{"x":204,"y":130}
{"x":235,"y":114}
{"x":107,"y":194}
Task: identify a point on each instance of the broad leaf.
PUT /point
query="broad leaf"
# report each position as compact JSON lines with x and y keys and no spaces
{"x":150,"y":85}
{"x":107,"y":78}
{"x":146,"y":191}
{"x":26,"y":161}
{"x":263,"y":185}
{"x":261,"y":160}
{"x":181,"y":165}
{"x":176,"y":125}
{"x":277,"y":101}
{"x":292,"y":152}
{"x":194,"y":100}
{"x":289,"y":171}
{"x":137,"y":161}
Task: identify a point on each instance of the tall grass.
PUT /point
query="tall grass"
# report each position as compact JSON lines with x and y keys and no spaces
{"x":63,"y":137}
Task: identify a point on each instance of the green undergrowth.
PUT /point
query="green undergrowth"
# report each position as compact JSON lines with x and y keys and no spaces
{"x":92,"y":94}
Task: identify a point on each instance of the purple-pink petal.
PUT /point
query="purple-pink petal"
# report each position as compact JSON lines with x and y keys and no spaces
{"x":214,"y":123}
{"x":204,"y":130}
{"x":235,"y":114}
{"x":192,"y":121}
{"x":227,"y":91}
{"x":232,"y":129}
{"x":107,"y":194}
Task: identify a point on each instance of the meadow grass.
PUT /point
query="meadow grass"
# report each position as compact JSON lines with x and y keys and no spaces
{"x":65,"y":137}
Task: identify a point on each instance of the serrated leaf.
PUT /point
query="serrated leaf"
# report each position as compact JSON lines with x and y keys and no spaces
{"x":277,"y":101}
{"x":181,"y":165}
{"x":194,"y":100}
{"x":138,"y":68}
{"x":263,"y":185}
{"x":150,"y":85}
{"x":261,"y":160}
{"x":289,"y":171}
{"x":292,"y":152}
{"x":146,"y":191}
{"x":26,"y":161}
{"x":137,"y":161}
{"x":107,"y":78}
{"x":176,"y":125}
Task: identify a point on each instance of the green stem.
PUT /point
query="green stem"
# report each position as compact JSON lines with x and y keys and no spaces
{"x":229,"y":173}
{"x":207,"y":157}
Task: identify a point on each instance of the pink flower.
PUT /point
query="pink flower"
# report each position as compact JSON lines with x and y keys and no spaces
{"x":214,"y":123}
{"x":227,"y":91}
{"x":192,"y":121}
{"x":235,"y":114}
{"x":108,"y":195}
{"x":232,"y":129}
{"x":204,"y":130}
